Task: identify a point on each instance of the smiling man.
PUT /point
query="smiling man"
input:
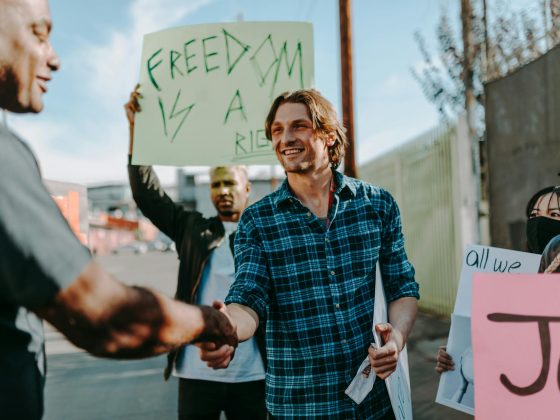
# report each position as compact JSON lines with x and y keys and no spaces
{"x":45,"y":272}
{"x":27,"y":58}
{"x":305,"y":260}
{"x":206,"y":272}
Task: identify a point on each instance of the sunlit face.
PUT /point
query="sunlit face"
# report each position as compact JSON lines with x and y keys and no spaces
{"x":547,"y":205}
{"x":27,"y":58}
{"x":229,"y":191}
{"x":298,"y":147}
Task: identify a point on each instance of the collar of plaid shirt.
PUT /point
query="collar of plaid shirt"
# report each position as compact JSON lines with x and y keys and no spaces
{"x":341,"y":188}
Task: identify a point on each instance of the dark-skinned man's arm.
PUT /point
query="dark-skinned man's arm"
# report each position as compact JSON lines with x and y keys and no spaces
{"x":108,"y":319}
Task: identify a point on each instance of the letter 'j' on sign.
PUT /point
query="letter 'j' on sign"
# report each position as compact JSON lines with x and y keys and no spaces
{"x":206,"y":90}
{"x":516,"y":346}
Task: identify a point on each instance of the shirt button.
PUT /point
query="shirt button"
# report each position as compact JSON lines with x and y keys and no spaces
{"x":337,"y":306}
{"x":326,"y":239}
{"x":332,"y":273}
{"x":344,"y":341}
{"x":308,"y":214}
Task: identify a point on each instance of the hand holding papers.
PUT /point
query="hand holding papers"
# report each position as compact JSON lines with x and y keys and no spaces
{"x":398,"y":383}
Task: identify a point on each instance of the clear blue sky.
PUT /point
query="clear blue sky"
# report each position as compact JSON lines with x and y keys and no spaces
{"x":82,"y":134}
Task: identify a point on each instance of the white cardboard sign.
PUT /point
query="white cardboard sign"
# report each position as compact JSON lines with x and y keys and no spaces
{"x":207,"y":90}
{"x":456,"y":388}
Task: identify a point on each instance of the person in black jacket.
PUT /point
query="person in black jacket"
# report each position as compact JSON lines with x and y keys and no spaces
{"x":206,"y":271}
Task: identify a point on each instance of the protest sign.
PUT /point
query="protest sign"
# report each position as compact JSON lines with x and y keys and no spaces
{"x":207,"y":90}
{"x":516,"y":339}
{"x":456,"y":387}
{"x":486,"y":259}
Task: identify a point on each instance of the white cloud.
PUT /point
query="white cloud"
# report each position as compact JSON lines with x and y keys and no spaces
{"x":42,"y":133}
{"x":114,"y":65}
{"x":396,"y":84}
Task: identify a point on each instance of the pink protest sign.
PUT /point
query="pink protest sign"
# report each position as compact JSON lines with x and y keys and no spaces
{"x":516,"y":346}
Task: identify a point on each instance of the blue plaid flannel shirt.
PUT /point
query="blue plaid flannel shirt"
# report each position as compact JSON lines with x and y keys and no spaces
{"x":315,"y":288}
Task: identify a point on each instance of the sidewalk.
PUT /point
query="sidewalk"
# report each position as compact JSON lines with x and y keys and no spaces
{"x":428,"y":334}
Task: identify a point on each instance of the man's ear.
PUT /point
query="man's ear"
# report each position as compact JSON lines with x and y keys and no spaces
{"x":330,"y":139}
{"x":248,"y":187}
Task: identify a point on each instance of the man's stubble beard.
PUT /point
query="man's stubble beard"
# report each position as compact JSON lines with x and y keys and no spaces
{"x":226,"y":213}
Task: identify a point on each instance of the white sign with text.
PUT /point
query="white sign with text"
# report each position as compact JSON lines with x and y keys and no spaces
{"x":206,"y":90}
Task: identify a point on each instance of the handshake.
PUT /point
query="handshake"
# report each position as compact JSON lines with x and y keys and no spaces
{"x":218,"y":329}
{"x":235,"y":323}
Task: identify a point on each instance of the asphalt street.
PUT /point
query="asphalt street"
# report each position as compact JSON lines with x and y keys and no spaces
{"x":81,"y":387}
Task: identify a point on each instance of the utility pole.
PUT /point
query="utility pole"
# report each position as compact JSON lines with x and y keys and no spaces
{"x":486,"y":65}
{"x":470,"y":103}
{"x":345,"y":17}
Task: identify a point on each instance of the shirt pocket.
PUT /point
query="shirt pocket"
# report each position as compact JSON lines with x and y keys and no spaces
{"x":361,"y":245}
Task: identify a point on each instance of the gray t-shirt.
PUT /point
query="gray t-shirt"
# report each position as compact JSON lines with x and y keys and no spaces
{"x":39,"y":254}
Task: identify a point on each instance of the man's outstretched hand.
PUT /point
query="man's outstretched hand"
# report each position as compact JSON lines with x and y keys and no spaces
{"x":219,"y":355}
{"x":219,"y":330}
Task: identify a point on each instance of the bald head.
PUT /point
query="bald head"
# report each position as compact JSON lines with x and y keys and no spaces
{"x":229,"y":191}
{"x":27,"y":58}
{"x":241,"y":169}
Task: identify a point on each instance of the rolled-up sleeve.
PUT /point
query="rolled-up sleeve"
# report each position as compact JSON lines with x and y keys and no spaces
{"x":252,"y":280}
{"x":396,"y":269}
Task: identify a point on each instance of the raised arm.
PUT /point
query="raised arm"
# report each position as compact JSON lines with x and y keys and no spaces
{"x":147,"y":191}
{"x":109,"y":319}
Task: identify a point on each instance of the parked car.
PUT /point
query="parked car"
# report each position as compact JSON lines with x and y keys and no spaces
{"x":136,"y":247}
{"x":162,"y":243}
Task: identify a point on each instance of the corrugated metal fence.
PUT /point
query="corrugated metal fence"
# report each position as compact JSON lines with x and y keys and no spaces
{"x":423,"y":176}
